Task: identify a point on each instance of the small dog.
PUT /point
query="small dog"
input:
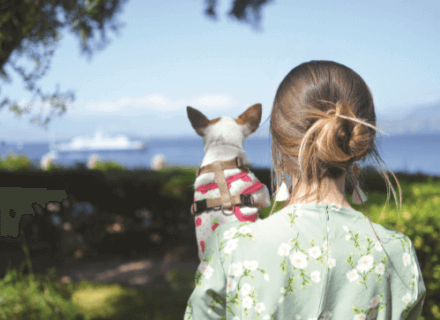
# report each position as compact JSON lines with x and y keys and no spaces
{"x":224,"y":139}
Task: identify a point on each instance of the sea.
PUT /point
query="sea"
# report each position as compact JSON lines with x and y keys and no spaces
{"x":410,"y":153}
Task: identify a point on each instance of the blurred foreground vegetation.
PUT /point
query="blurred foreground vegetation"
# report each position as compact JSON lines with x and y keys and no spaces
{"x":48,"y":296}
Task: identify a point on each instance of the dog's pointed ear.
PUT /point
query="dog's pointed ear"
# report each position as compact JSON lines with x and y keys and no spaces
{"x":251,"y":117}
{"x":198,"y":120}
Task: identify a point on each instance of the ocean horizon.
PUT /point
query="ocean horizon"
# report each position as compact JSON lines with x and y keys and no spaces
{"x":410,"y":153}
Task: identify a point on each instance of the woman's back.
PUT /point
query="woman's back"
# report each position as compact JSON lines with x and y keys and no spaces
{"x":307,"y":261}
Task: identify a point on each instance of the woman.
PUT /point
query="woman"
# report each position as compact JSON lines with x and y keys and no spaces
{"x":316,"y":258}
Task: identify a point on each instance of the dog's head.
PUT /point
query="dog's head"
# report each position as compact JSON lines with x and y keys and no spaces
{"x":226,"y":130}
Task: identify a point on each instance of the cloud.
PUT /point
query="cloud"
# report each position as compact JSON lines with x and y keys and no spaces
{"x":151,"y":104}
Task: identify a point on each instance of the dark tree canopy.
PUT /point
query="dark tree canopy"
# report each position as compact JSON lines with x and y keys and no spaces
{"x":32,"y":29}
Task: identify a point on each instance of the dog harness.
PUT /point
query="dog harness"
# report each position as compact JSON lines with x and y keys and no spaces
{"x":226,"y":201}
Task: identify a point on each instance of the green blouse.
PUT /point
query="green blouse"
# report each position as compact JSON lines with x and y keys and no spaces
{"x":309,"y":262}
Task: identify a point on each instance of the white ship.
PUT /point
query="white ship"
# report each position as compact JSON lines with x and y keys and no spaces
{"x":99,"y":142}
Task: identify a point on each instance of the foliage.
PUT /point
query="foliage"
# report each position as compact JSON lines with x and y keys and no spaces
{"x":15,"y":163}
{"x":27,"y":26}
{"x":108,"y":165}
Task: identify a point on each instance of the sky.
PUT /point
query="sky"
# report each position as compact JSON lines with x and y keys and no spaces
{"x":169,"y":55}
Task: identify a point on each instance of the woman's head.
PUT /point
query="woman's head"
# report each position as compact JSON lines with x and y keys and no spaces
{"x":323,"y":120}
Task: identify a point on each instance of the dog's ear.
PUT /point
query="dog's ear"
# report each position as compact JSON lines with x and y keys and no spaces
{"x":251,"y":117}
{"x":198,"y":120}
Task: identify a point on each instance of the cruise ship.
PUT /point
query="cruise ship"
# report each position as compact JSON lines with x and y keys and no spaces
{"x":98,"y":142}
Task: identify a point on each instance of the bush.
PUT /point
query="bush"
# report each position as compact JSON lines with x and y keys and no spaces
{"x":14,"y":162}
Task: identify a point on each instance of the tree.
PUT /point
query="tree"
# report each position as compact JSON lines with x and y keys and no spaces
{"x":31,"y":28}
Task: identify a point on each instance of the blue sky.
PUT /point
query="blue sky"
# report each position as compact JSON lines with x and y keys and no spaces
{"x":170,"y":55}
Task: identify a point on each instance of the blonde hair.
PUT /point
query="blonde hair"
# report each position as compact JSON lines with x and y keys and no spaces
{"x":322,"y":121}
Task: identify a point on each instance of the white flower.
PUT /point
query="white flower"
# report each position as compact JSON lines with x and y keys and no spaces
{"x":208,"y":272}
{"x":266,"y":317}
{"x":352,"y":275}
{"x":325,"y":245}
{"x":228,"y":234}
{"x":231,"y":246}
{"x":312,"y":318}
{"x":236,"y":269}
{"x":231,"y":285}
{"x":297,"y":316}
{"x":314,"y":252}
{"x":415,"y":270}
{"x":283,"y":290}
{"x":266,"y":277}
{"x":247,"y":302}
{"x":210,"y":310}
{"x":380,"y":268}
{"x":284,"y":249}
{"x":365,"y":263}
{"x":378,"y":246}
{"x":346,"y":228}
{"x":236,"y":318}
{"x":246,"y":289}
{"x":315,"y":275}
{"x":260,"y":307}
{"x":299,"y":259}
{"x":244,"y":230}
{"x":203,"y":265}
{"x":331,"y":263}
{"x":374,"y":302}
{"x":406,"y":259}
{"x":251,"y":265}
{"x":406,"y":298}
{"x":360,"y":316}
{"x":347,"y":237}
{"x":281,"y":299}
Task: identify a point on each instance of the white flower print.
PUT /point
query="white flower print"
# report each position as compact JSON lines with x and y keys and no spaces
{"x":246,"y":289}
{"x":346,"y":228}
{"x":236,"y":269}
{"x":209,"y":310}
{"x":365,"y":263}
{"x":251,"y":265}
{"x":208,"y":272}
{"x":374,"y":302}
{"x":406,"y":259}
{"x":297,"y":316}
{"x":247,"y":302}
{"x":231,"y":246}
{"x":352,"y":275}
{"x":347,"y":237}
{"x":260,"y":307}
{"x":331,"y":263}
{"x":228,"y":234}
{"x":325,"y":245}
{"x":406,"y":298}
{"x":283,"y":290}
{"x":266,"y":277}
{"x":203,"y":266}
{"x":236,"y":318}
{"x":284,"y":249}
{"x":312,"y":318}
{"x":327,"y":315}
{"x":360,"y":316}
{"x":380,"y":268}
{"x":378,"y":246}
{"x":231,"y":285}
{"x":274,"y":309}
{"x":281,"y":299}
{"x":415,"y":270}
{"x":315,"y":275}
{"x":299,"y":259}
{"x":266,"y":317}
{"x":314,"y":252}
{"x":244,"y":230}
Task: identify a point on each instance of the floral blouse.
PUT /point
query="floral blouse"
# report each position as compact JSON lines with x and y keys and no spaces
{"x":309,"y":262}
